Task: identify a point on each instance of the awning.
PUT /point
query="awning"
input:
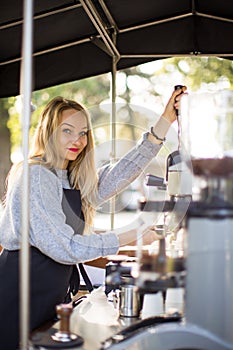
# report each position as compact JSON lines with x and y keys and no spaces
{"x":78,"y":39}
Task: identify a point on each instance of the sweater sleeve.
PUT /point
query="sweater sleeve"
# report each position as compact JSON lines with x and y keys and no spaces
{"x":48,"y":229}
{"x":113,"y":179}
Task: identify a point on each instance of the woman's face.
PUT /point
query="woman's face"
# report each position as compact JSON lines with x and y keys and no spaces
{"x":72,"y":136}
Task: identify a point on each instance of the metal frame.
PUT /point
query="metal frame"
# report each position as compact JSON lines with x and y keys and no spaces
{"x":26,"y":90}
{"x":104,"y":35}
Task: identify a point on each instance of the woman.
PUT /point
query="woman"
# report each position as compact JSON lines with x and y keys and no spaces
{"x":64,"y":192}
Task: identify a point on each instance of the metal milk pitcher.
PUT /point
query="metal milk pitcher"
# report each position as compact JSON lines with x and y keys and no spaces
{"x":130,"y":305}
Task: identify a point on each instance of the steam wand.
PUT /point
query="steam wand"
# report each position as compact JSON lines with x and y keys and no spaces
{"x":178,"y":87}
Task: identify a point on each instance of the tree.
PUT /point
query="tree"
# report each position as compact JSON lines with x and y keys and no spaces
{"x":198,"y":73}
{"x":5,"y":144}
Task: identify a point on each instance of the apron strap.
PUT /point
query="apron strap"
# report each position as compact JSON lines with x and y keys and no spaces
{"x":85,"y":277}
{"x":74,"y":283}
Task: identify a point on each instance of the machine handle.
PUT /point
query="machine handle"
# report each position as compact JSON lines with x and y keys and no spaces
{"x":178,"y":87}
{"x":152,"y":180}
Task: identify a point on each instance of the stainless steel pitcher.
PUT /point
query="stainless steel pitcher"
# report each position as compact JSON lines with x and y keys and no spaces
{"x":130,"y":305}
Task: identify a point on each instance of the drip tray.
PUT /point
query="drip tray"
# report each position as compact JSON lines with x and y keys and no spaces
{"x":138,"y":326}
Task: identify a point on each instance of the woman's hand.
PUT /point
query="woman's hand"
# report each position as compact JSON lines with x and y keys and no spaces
{"x":168,"y":117}
{"x":173,"y":105}
{"x":148,"y":236}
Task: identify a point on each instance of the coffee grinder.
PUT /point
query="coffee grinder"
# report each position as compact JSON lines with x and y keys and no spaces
{"x":206,"y":132}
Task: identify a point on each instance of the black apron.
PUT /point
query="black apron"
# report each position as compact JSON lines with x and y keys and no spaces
{"x":50,"y":282}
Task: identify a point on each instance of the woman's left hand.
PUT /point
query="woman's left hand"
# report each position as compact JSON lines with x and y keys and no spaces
{"x":173,"y":105}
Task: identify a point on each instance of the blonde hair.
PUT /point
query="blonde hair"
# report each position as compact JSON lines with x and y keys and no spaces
{"x":81,"y":171}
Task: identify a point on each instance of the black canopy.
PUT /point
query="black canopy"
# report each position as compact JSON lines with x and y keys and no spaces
{"x":78,"y":39}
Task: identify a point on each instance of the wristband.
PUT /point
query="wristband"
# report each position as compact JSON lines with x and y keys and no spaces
{"x":156,"y":136}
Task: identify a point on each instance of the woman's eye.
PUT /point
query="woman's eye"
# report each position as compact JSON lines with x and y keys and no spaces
{"x":83,"y":133}
{"x":67,"y":131}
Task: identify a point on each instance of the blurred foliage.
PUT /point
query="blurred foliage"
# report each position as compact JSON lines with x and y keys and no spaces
{"x":209,"y":73}
{"x":135,"y":84}
{"x":206,"y":72}
{"x":5,"y":104}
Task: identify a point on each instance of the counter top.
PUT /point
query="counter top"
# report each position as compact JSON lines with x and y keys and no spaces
{"x":95,"y":335}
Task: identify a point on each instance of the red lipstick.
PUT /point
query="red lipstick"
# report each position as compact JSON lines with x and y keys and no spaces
{"x":75,"y":150}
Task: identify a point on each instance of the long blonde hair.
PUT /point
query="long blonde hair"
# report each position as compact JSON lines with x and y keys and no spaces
{"x":81,"y":171}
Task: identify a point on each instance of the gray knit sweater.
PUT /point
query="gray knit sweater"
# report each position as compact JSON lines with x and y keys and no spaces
{"x":48,"y":229}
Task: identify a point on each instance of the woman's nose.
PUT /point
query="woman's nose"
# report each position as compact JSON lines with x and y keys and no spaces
{"x":77,"y":139}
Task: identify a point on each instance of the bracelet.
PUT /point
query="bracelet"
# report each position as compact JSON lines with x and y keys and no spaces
{"x":156,"y":136}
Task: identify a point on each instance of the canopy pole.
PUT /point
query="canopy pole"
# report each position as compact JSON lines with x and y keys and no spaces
{"x":25,"y":91}
{"x":115,"y":59}
{"x":113,"y":130}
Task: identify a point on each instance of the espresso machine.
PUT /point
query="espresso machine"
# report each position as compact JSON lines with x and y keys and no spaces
{"x":205,"y":270}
